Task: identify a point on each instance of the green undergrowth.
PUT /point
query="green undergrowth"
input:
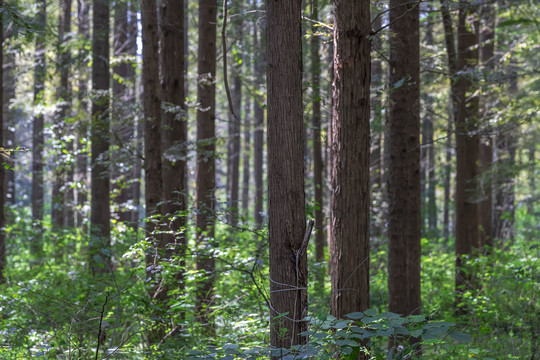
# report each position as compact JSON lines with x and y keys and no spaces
{"x":52,"y":307}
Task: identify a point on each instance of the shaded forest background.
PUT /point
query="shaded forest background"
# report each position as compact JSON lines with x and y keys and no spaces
{"x":296,"y":179}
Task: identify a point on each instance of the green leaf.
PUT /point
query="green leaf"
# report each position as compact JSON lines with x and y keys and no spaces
{"x":355,"y":315}
{"x":460,"y":337}
{"x":520,"y":21}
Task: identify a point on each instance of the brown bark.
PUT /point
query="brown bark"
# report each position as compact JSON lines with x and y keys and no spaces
{"x":174,"y":134}
{"x":38,"y":140}
{"x":206,"y":148}
{"x":83,"y":16}
{"x":152,"y":142}
{"x":258,"y":133}
{"x":404,"y":227}
{"x":350,"y":196}
{"x":100,"y":195}
{"x":286,"y":199}
{"x":468,"y":144}
{"x":318,"y":167}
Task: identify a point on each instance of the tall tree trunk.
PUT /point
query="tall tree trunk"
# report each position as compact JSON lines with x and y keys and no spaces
{"x":487,"y":38}
{"x":2,"y":171}
{"x":246,"y":171}
{"x":122,"y":127}
{"x":447,"y":182}
{"x":350,"y":197}
{"x":174,"y":134}
{"x":258,"y":133}
{"x":63,"y":97}
{"x":38,"y":140}
{"x":377,"y":129}
{"x":10,"y":84}
{"x":100,"y":211}
{"x":468,"y":145}
{"x":286,"y":199}
{"x":83,"y":16}
{"x":404,"y":228}
{"x":152,"y":148}
{"x":318,"y":167}
{"x":206,"y":170}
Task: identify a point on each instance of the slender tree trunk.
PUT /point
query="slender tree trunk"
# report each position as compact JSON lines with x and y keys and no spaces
{"x":246,"y":171}
{"x":37,"y":134}
{"x":286,"y":199}
{"x":206,"y":170}
{"x":404,"y":228}
{"x":100,"y":211}
{"x":174,"y":135}
{"x":350,"y":197}
{"x":377,"y":129}
{"x":447,"y":182}
{"x":318,"y":167}
{"x":258,"y":134}
{"x":83,"y":16}
{"x":152,"y":144}
{"x":431,"y":179}
{"x":468,"y":144}
{"x":9,"y":124}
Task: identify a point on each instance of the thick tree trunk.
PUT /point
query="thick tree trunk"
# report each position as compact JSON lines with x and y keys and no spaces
{"x":174,"y":134}
{"x":258,"y":133}
{"x":100,"y":212}
{"x":404,"y":228}
{"x":38,"y":140}
{"x":318,"y":167}
{"x":350,"y":196}
{"x":206,"y":170}
{"x":286,"y":199}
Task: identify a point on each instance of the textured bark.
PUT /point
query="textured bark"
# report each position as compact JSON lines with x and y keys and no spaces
{"x":258,"y":133}
{"x":206,"y":149}
{"x":286,"y":199}
{"x":350,"y":196}
{"x":100,"y":195}
{"x":152,"y":143}
{"x":2,"y":171}
{"x":83,"y":16}
{"x":122,"y":125}
{"x":38,"y":140}
{"x":318,"y":167}
{"x":174,"y":133}
{"x":468,"y":144}
{"x":487,"y":38}
{"x":404,"y":227}
{"x":377,"y":129}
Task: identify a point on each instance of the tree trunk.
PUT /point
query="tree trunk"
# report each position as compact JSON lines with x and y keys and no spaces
{"x":174,"y":134}
{"x":38,"y":140}
{"x":10,"y":84}
{"x":350,"y":196}
{"x":404,"y":227}
{"x":206,"y":171}
{"x":318,"y":167}
{"x":100,"y":212}
{"x":468,"y":144}
{"x":286,"y":199}
{"x":258,"y":134}
{"x":83,"y":15}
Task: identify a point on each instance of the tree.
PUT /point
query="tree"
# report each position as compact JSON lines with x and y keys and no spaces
{"x":100,"y":212}
{"x":37,"y":132}
{"x":206,"y":148}
{"x":152,"y":147}
{"x":350,"y":196}
{"x":404,"y":227}
{"x":317,"y":151}
{"x":467,"y":144}
{"x":258,"y":132}
{"x":286,"y":199}
{"x":174,"y":133}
